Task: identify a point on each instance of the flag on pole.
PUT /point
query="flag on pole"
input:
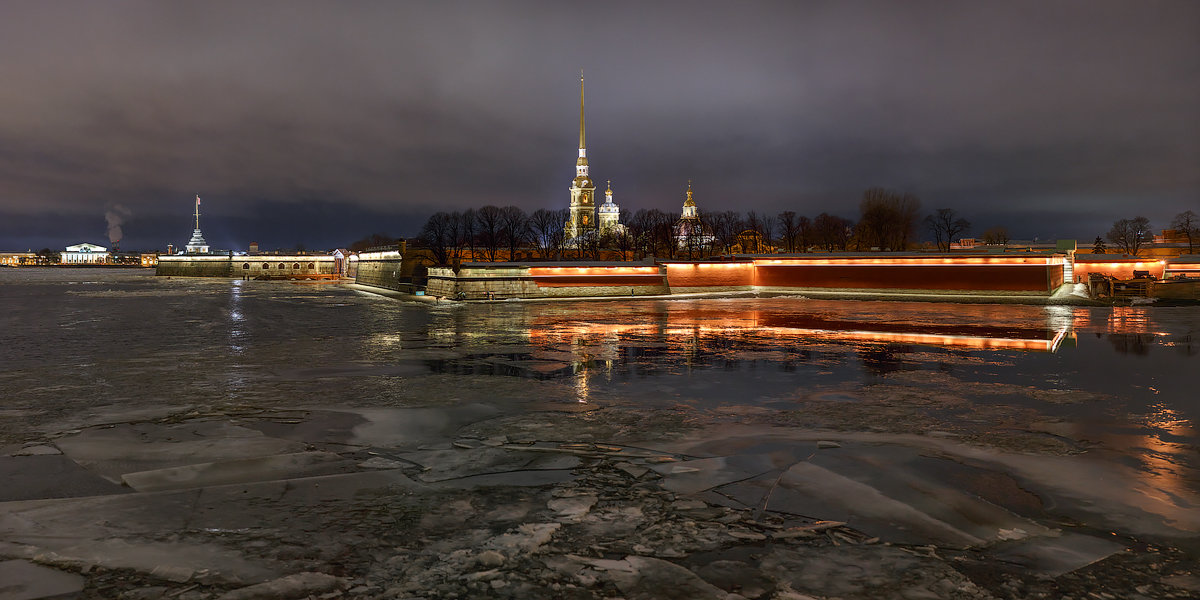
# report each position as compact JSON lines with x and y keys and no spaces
{"x":197,"y":199}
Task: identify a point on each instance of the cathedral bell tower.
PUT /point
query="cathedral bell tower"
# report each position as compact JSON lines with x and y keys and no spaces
{"x":583,"y":189}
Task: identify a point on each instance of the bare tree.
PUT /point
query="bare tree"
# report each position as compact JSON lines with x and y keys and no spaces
{"x":831,"y":232}
{"x":1130,"y":234}
{"x":639,"y":225}
{"x":945,"y":224}
{"x":754,"y":221}
{"x":767,"y":232}
{"x":887,"y":220}
{"x":663,"y":232}
{"x":1187,"y":224}
{"x":547,"y":230}
{"x":788,"y":230}
{"x":514,"y":228}
{"x":996,"y":236}
{"x":725,"y":227}
{"x":438,"y":236}
{"x":589,"y":245}
{"x":1098,"y":246}
{"x":621,"y":239}
{"x":488,"y":219}
{"x":469,"y":226}
{"x":804,"y":234}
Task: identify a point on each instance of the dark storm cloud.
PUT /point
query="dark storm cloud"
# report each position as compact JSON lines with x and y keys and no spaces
{"x":293,"y":119}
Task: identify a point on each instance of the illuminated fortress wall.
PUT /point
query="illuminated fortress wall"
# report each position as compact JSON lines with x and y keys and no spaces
{"x":508,"y":280}
{"x":1121,"y":267}
{"x":379,"y":269}
{"x":685,"y":277}
{"x":1007,"y":275}
{"x":1038,"y":274}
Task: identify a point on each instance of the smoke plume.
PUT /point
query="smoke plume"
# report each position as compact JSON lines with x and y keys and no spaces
{"x":115,"y":216}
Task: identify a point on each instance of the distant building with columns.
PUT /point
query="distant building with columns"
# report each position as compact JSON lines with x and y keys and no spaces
{"x":85,"y":254}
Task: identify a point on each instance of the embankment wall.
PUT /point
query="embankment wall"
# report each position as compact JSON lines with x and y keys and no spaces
{"x":1118,"y":266}
{"x":380,"y":269}
{"x":193,"y":266}
{"x":1038,"y":275}
{"x":1032,"y":275}
{"x":272,"y":265}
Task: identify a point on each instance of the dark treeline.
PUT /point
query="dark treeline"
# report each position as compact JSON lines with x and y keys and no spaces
{"x":492,"y":233}
{"x":887,"y":221}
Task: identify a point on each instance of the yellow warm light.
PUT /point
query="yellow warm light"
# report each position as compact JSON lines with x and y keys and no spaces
{"x":727,"y":325}
{"x":915,"y":261}
{"x":578,"y":271}
{"x":709,"y":265}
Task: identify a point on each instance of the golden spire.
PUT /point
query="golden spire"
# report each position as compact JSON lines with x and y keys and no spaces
{"x":689,"y":201}
{"x":581,"y":128}
{"x":609,"y":190}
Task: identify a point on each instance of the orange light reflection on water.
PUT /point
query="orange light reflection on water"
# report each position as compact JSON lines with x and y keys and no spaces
{"x":751,"y":324}
{"x":1162,"y":461}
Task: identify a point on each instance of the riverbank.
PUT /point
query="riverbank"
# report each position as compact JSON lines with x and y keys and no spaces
{"x":1062,"y":298}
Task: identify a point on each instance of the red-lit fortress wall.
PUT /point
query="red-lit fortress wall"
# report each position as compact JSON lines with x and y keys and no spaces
{"x":684,"y":277}
{"x":1116,"y":266}
{"x":1028,"y":275}
{"x":1008,"y":275}
{"x":1186,"y":268}
{"x":556,"y":277}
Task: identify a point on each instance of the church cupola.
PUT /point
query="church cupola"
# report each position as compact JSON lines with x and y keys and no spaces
{"x":689,"y":205}
{"x":610,"y":213}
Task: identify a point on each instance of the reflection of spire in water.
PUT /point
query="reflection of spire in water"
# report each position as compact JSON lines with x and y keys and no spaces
{"x":581,"y":383}
{"x":236,"y":319}
{"x":237,"y":381}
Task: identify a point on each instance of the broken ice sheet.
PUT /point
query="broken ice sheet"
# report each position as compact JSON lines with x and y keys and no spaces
{"x":692,"y":476}
{"x":244,"y":470}
{"x":1054,"y":556}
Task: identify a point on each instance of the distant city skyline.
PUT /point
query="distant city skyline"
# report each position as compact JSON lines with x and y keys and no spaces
{"x":318,"y":124}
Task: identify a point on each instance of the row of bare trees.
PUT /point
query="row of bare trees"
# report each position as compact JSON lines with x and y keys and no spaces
{"x":1130,"y":236}
{"x":481,"y":234}
{"x":888,"y":221}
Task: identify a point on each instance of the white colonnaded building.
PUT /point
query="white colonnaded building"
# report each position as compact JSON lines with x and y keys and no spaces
{"x":85,"y":254}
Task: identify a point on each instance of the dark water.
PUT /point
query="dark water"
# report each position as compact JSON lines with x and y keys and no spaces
{"x":88,"y":343}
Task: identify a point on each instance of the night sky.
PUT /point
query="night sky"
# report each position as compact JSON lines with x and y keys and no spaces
{"x":321,"y":123}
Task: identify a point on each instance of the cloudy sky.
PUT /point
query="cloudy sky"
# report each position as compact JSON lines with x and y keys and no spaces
{"x":320,"y":123}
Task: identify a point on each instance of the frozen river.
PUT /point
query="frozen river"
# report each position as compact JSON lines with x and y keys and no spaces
{"x":87,"y":348}
{"x":80,"y":341}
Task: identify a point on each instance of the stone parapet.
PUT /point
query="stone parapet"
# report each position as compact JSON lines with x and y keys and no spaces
{"x":293,"y":266}
{"x":381,"y":269}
